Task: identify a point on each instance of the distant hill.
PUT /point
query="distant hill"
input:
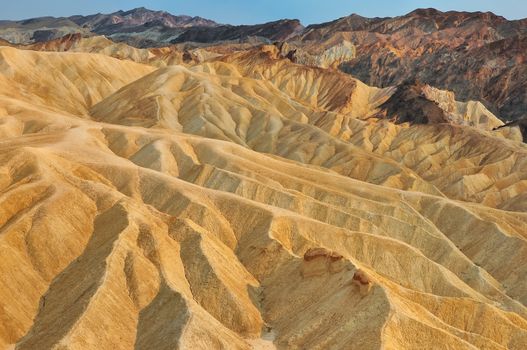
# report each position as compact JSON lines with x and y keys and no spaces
{"x":477,"y":55}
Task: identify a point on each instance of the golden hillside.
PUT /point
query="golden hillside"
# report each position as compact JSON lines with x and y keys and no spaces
{"x":247,"y":202}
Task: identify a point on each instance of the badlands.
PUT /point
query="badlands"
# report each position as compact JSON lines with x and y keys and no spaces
{"x":243,"y":197}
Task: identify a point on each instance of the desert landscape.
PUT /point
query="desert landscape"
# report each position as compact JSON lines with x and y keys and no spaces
{"x":168,"y":182}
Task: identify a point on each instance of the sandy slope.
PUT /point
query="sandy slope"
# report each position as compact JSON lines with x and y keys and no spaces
{"x":220,"y":206}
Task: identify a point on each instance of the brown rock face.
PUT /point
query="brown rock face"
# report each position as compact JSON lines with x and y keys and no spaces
{"x":361,"y":280}
{"x":272,"y":31}
{"x":409,"y":104}
{"x":315,"y":253}
{"x":479,"y":56}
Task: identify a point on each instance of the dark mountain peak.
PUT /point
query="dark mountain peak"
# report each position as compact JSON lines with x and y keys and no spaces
{"x":139,"y":11}
{"x":356,"y":15}
{"x":426,"y":19}
{"x":279,"y":30}
{"x":108,"y":24}
{"x":487,"y":16}
{"x":425,"y":12}
{"x":450,"y":16}
{"x":36,"y":20}
{"x":353,"y":22}
{"x":287,"y":20}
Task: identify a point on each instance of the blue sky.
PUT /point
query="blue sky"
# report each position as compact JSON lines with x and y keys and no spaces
{"x":258,"y":11}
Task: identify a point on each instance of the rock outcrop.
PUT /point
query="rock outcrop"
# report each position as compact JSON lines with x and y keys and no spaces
{"x":363,"y":282}
{"x":478,"y":56}
{"x":324,"y":57}
{"x":415,"y":102}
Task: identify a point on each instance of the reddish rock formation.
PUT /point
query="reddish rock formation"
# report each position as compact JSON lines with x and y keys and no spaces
{"x":315,"y":253}
{"x":479,"y":56}
{"x":361,"y":279}
{"x":320,"y":261}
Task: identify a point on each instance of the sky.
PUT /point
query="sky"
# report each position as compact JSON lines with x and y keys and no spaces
{"x":258,"y":11}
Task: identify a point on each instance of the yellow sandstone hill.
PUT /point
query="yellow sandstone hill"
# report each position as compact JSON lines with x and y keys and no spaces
{"x":247,"y":202}
{"x":160,"y":57}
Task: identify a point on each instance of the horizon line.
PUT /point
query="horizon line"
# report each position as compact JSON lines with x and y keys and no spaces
{"x":256,"y":23}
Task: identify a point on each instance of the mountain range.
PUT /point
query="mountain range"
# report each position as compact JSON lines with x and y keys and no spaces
{"x":479,"y":56}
